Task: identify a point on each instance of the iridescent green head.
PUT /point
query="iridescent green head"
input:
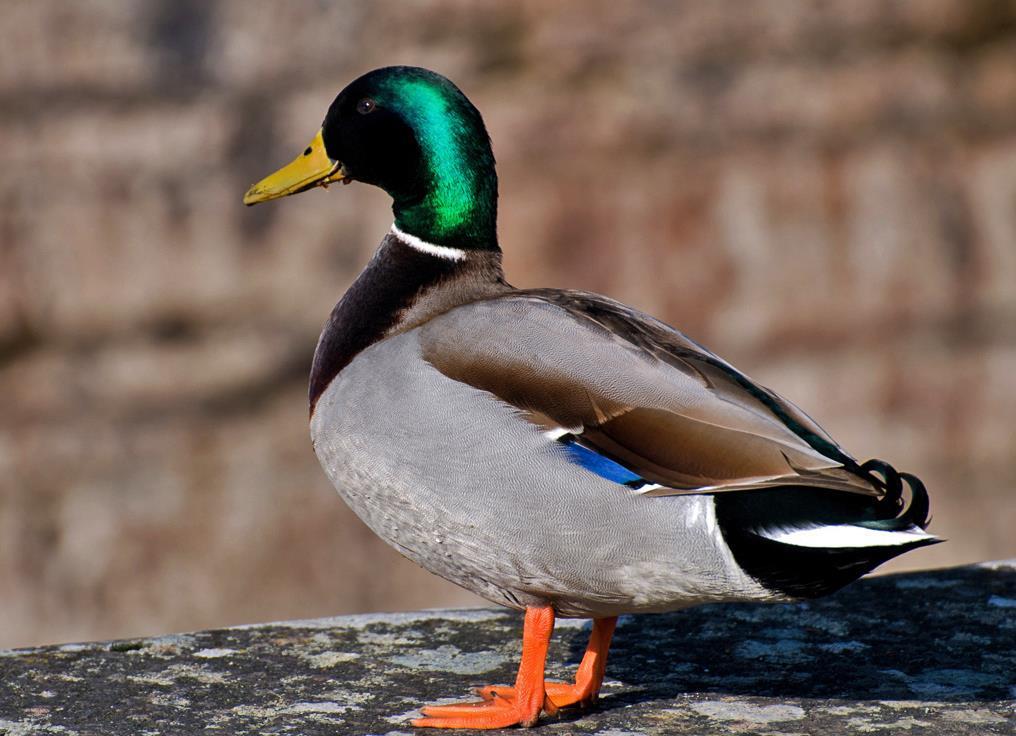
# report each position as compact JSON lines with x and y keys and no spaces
{"x":414,"y":134}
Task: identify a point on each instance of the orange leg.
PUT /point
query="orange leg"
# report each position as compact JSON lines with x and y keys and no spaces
{"x":588,"y":679}
{"x":526,"y":699}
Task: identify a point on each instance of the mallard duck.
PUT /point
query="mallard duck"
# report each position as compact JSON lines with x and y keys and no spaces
{"x":555,"y":451}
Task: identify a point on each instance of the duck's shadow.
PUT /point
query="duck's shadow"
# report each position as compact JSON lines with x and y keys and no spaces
{"x":943,"y":636}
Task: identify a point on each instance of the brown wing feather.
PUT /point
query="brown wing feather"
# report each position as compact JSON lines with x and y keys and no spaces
{"x":636,"y":391}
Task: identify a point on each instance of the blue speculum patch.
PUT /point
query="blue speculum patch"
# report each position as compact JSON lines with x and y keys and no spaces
{"x":604,"y":467}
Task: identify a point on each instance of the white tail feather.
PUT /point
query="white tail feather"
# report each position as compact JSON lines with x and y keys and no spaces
{"x":845,"y":535}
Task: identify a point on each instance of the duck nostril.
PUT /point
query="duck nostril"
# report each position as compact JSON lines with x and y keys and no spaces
{"x":307,"y":152}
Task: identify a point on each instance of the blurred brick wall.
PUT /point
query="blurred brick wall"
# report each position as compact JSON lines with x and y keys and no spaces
{"x":824,"y":193}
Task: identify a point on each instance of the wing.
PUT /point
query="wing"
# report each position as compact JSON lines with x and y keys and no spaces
{"x":612,"y":381}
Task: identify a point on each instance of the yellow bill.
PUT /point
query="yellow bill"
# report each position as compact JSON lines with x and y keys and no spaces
{"x":312,"y":168}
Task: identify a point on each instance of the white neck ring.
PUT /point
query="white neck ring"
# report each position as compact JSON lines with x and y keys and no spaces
{"x":441,"y":251}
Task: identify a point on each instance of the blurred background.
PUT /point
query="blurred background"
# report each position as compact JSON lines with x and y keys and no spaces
{"x":822,"y":192}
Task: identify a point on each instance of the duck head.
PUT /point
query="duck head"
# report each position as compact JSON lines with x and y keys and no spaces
{"x":413,"y":133}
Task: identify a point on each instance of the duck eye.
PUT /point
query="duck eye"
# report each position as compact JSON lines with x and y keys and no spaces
{"x":365,"y":106}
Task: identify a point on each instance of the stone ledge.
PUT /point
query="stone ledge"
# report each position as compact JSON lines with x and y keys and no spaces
{"x":927,"y":652}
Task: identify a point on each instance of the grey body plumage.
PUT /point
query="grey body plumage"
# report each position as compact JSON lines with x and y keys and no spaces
{"x":512,"y":520}
{"x":440,"y":435}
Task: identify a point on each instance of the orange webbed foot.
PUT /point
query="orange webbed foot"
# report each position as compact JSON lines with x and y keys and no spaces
{"x":520,"y":705}
{"x":589,"y":677}
{"x":557,"y":695}
{"x":495,"y":711}
{"x":502,"y":705}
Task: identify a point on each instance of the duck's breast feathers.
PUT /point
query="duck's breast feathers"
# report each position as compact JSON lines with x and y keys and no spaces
{"x":594,"y":373}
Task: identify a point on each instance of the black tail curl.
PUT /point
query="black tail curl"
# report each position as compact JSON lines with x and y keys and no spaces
{"x":800,"y":571}
{"x":886,"y":477}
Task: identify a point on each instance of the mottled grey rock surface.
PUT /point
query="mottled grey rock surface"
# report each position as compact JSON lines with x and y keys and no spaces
{"x":930,"y":652}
